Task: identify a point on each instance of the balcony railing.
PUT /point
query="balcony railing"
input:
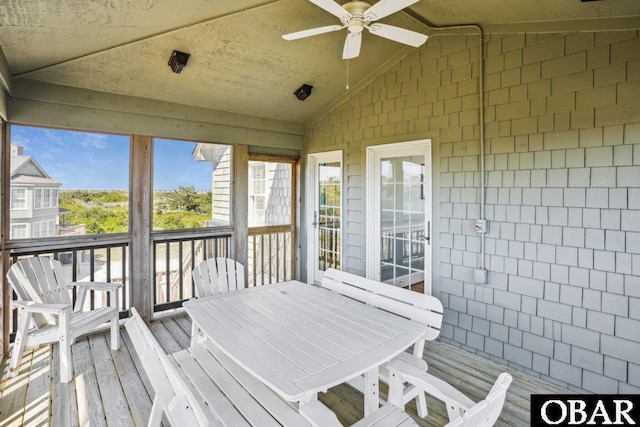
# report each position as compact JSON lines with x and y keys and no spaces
{"x":270,"y":253}
{"x":175,"y":255}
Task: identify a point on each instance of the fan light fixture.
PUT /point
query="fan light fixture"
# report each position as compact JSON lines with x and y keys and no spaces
{"x":303,"y":92}
{"x":178,"y":61}
{"x":355,"y":16}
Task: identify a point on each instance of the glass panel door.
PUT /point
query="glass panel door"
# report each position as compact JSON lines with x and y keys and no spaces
{"x":402,"y":222}
{"x":325,"y":243}
{"x":399,"y":214}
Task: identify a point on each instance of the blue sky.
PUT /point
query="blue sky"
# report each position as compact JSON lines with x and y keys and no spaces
{"x":101,"y":161}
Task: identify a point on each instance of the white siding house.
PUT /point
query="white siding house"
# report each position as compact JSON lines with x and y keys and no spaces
{"x":34,"y":198}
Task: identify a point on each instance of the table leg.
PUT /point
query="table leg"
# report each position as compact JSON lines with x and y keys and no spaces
{"x":371,"y":390}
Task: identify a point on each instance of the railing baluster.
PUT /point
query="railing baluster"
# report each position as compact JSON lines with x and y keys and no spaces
{"x":167,"y":272}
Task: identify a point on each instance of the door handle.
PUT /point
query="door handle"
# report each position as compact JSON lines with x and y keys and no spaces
{"x":315,"y":219}
{"x":428,"y":236}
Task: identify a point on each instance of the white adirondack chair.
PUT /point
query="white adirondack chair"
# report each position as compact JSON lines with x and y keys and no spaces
{"x":45,"y":303}
{"x":216,"y":275}
{"x":486,"y":412}
{"x":462,"y":411}
{"x":213,"y":276}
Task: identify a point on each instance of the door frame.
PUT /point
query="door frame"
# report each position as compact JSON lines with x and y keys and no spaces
{"x":373,"y":206}
{"x":313,"y":160}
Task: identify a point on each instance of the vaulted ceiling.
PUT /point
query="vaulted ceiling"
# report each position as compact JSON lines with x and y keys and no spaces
{"x":239,"y":62}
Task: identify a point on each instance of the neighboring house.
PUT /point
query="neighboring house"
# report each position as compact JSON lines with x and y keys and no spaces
{"x":220,"y":157}
{"x":269,"y":187}
{"x":34,"y":198}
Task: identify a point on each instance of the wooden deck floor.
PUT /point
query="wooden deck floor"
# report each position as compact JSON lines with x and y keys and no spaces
{"x":109,"y":390}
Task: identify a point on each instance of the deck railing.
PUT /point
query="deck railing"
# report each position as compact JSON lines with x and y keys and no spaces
{"x":270,"y":254}
{"x":175,"y":255}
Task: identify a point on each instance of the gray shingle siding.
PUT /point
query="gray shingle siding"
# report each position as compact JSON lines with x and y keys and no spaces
{"x":563,"y":196}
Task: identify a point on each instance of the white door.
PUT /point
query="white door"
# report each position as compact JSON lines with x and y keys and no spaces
{"x":399,"y":205}
{"x":325,"y":215}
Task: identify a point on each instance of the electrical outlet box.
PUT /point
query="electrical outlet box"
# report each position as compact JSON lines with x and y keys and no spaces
{"x":480,"y":276}
{"x":481,"y":226}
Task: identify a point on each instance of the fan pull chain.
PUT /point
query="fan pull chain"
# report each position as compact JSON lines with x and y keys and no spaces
{"x":347,"y":74}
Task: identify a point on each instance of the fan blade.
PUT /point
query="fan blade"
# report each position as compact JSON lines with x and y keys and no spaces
{"x":332,"y":7}
{"x":352,"y":45}
{"x":398,"y":34}
{"x":385,"y":8}
{"x":312,"y":32}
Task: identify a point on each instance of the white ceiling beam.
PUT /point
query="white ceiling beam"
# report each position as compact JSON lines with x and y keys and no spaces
{"x":70,"y":96}
{"x":39,"y":113}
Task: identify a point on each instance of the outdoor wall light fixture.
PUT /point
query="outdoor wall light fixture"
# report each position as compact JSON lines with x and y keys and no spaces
{"x":303,"y":92}
{"x":178,"y":61}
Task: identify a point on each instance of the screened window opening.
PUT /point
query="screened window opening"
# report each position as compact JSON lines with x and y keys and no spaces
{"x":68,"y":183}
{"x":191,"y":185}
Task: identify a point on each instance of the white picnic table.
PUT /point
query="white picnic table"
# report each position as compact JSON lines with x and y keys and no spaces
{"x":300,"y":339}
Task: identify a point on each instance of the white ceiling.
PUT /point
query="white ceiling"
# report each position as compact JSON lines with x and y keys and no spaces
{"x":239,"y":62}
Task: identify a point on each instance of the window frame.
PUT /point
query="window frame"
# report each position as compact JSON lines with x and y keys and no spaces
{"x":14,"y":199}
{"x":26,"y":228}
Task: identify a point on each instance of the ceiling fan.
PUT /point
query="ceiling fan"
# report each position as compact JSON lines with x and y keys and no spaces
{"x":358,"y":15}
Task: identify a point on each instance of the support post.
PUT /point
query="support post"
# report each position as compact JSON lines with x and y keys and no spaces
{"x":140,"y":225}
{"x":240,"y":197}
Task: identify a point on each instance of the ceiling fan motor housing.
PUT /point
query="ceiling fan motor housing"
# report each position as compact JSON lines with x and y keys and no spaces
{"x":357,"y":21}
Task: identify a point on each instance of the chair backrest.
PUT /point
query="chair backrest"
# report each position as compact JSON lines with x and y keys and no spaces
{"x":215,"y":275}
{"x":418,"y":307}
{"x":176,"y":399}
{"x":41,"y":280}
{"x":486,"y":412}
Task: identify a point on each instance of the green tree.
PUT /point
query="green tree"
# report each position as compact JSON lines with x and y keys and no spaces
{"x":187,"y":199}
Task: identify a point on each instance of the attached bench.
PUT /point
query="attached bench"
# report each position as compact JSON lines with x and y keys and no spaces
{"x":201,"y":386}
{"x":424,"y":309}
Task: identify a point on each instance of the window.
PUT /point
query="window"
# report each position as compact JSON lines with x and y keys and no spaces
{"x":256,"y":194}
{"x":191,"y":184}
{"x":269,"y":193}
{"x":19,"y":231}
{"x":45,"y":198}
{"x":79,"y":180}
{"x":18,"y":198}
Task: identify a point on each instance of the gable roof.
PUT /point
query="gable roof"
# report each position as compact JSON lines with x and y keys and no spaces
{"x":26,"y":170}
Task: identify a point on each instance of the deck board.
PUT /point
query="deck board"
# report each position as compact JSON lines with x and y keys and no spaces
{"x":133,"y":386}
{"x":13,"y":391}
{"x":111,"y":389}
{"x":90,"y":409}
{"x":64,"y":411}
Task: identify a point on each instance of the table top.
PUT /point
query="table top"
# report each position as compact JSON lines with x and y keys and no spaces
{"x":301,"y":339}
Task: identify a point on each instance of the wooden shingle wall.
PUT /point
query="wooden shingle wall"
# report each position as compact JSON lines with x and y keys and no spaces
{"x":562,"y":128}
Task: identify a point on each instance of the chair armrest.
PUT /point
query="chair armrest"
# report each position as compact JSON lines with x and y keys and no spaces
{"x":430,"y":384}
{"x":319,"y":415}
{"x":97,"y":286}
{"x":35,"y":307}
